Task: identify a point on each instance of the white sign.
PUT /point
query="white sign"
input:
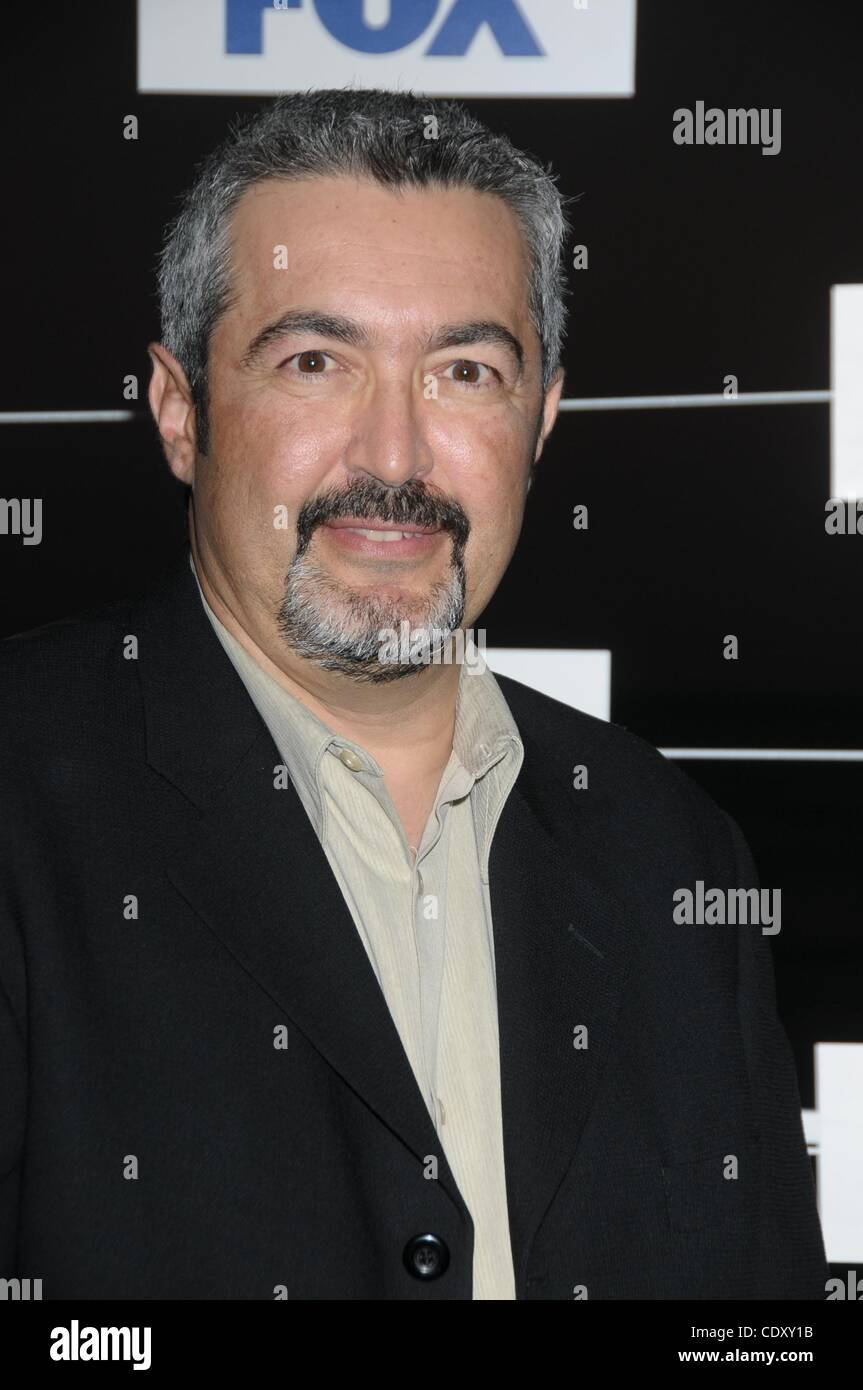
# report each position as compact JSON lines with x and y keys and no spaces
{"x":846,"y":381}
{"x":504,"y":48}
{"x":834,"y":1133}
{"x":578,"y":677}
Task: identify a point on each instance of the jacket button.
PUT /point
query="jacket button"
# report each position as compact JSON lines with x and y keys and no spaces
{"x":426,"y":1257}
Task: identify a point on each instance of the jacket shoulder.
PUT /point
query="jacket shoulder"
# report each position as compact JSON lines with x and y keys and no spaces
{"x":629,"y":769}
{"x":551,"y":721}
{"x":60,"y":680}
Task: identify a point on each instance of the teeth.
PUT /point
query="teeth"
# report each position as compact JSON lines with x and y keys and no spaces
{"x":383,"y":535}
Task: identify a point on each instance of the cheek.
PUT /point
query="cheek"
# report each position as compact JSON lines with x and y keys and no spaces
{"x":273,"y":458}
{"x":485,"y":444}
{"x":493,"y":538}
{"x":486,"y":465}
{"x":495,"y":514}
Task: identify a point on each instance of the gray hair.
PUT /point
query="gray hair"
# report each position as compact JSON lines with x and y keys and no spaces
{"x":361,"y":133}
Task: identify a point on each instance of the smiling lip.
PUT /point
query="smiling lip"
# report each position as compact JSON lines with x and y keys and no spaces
{"x":349,"y":533}
{"x":361,"y":523}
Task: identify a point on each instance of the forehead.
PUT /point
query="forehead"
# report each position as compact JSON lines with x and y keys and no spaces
{"x":352,"y":245}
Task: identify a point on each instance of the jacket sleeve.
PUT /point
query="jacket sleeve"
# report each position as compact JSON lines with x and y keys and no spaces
{"x":790,"y":1250}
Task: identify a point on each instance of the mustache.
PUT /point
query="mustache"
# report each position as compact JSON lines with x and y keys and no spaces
{"x":412,"y":503}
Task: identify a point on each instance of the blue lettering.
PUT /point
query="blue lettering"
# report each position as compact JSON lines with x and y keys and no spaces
{"x":346,"y":22}
{"x":503,"y":17}
{"x":244,"y":30}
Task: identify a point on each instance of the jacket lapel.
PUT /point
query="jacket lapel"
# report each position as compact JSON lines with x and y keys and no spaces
{"x":562,"y":951}
{"x":251,"y":865}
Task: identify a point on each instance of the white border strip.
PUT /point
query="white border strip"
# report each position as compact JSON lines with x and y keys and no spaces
{"x":685,"y":402}
{"x":68,"y":417}
{"x":789,"y":755}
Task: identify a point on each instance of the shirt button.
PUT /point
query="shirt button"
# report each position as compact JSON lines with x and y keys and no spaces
{"x":426,"y":1257}
{"x":351,"y":760}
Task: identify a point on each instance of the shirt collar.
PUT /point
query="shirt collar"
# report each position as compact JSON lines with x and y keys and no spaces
{"x":484,"y":735}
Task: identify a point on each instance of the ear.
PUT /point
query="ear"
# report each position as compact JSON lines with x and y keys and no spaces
{"x":550,"y":408}
{"x":173,"y":410}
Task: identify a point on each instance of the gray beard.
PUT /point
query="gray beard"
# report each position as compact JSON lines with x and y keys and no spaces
{"x":341,"y":630}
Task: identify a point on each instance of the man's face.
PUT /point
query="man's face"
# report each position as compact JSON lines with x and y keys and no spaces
{"x":391,"y":402}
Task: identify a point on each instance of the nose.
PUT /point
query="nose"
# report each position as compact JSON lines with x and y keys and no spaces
{"x":388,"y":440}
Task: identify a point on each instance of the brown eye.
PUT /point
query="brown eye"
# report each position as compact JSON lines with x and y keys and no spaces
{"x":468,"y":372}
{"x":311,"y":362}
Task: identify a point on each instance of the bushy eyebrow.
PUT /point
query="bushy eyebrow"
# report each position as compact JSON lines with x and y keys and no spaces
{"x":458,"y":335}
{"x":345,"y":330}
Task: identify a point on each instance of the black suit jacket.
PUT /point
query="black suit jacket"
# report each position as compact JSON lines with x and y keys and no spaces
{"x":155,"y":1143}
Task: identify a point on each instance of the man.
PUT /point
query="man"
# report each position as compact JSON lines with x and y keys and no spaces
{"x":323,"y":977}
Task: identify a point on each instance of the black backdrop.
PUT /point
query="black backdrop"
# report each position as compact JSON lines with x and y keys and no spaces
{"x":703,"y":261}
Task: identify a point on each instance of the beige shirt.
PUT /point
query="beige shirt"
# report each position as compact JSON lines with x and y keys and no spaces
{"x":425,"y":922}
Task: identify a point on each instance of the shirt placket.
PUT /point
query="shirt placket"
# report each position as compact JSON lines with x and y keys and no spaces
{"x":431,"y":877}
{"x":429,"y":927}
